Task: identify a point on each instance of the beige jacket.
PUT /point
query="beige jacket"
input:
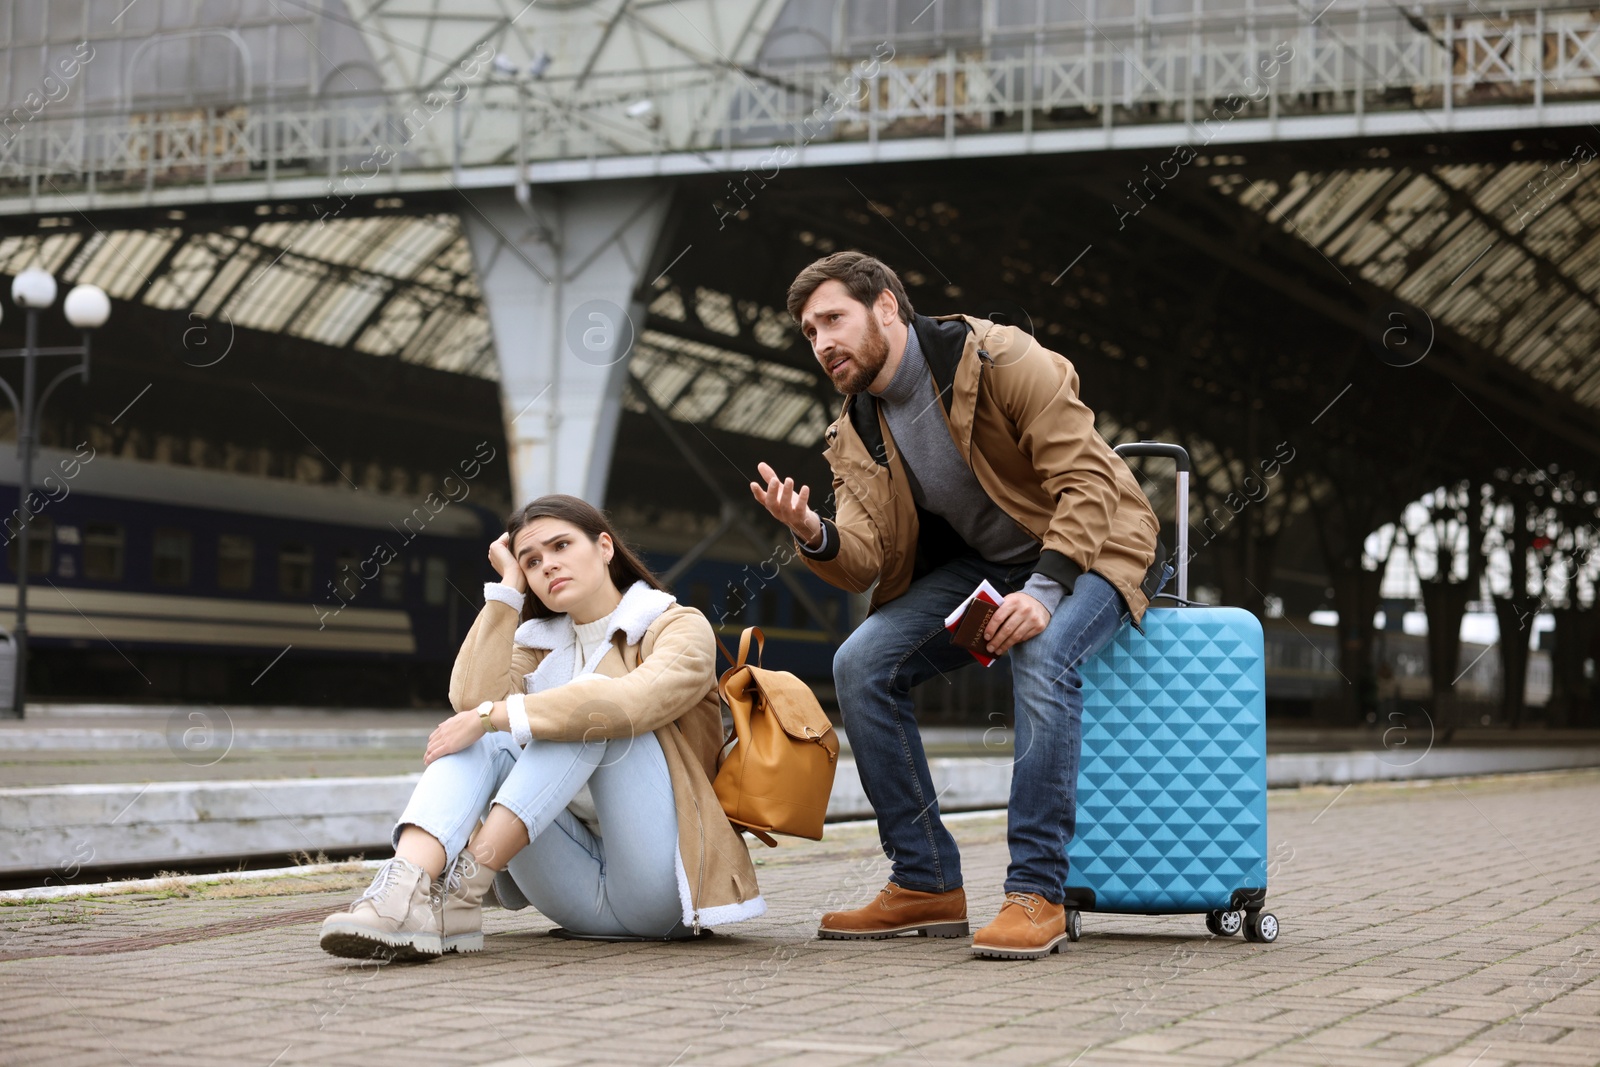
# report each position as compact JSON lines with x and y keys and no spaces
{"x":659,"y":675}
{"x":1012,"y":408}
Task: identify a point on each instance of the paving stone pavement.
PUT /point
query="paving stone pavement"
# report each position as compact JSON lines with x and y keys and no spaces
{"x":1454,"y":923}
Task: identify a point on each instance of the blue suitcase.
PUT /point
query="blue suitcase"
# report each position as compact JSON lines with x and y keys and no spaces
{"x":1172,"y":781}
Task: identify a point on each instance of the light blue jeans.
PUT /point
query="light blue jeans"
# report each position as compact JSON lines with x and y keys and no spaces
{"x":622,"y":883}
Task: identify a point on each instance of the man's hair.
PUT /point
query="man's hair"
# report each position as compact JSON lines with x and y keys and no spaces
{"x":863,"y":277}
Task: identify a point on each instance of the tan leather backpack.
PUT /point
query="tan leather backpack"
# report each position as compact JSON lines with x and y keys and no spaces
{"x":777,"y":777}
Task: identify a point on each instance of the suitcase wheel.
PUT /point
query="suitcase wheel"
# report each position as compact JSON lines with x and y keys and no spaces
{"x":1261,"y":926}
{"x":1226,"y":923}
{"x":1074,"y":925}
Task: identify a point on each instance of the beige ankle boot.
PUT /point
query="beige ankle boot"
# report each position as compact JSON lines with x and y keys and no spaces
{"x":396,"y":918}
{"x":465,"y":884}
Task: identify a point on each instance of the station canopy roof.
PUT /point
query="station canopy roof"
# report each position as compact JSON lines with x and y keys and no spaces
{"x":1505,"y":255}
{"x":398,"y":285}
{"x":403,"y":286}
{"x":738,"y":392}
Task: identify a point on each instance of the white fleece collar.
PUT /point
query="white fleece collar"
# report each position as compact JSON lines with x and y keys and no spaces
{"x":640,"y":606}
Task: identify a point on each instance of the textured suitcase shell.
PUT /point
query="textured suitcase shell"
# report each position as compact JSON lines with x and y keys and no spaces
{"x":1172,"y":782}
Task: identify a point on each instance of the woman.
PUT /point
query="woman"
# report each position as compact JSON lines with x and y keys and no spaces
{"x":586,"y":735}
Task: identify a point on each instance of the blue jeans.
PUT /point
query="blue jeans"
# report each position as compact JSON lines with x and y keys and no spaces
{"x":622,"y":883}
{"x":903,"y":644}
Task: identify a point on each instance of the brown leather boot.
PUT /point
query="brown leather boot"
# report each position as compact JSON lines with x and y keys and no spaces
{"x":1028,"y":927}
{"x":898,"y":911}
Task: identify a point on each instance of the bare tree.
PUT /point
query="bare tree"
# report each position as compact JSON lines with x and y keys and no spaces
{"x":1566,"y":557}
{"x":1516,"y":519}
{"x":1451,"y":531}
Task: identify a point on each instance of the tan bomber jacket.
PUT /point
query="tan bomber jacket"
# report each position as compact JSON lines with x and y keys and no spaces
{"x":1012,"y":408}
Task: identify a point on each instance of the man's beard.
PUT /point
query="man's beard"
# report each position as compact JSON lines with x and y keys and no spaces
{"x":865,"y":362}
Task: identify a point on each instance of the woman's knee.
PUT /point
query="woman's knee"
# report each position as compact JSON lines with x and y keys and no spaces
{"x":484,"y":751}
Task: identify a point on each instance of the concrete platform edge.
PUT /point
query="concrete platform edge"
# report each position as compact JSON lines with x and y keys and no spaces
{"x":75,"y":826}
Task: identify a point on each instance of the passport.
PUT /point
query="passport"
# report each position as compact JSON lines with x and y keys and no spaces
{"x":969,"y":632}
{"x":967,"y":622}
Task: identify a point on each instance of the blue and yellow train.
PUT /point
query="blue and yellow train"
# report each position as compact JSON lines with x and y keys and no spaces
{"x":153,"y":581}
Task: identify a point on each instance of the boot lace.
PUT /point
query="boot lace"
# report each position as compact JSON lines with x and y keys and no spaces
{"x":465,"y":866}
{"x":1025,"y":901}
{"x":388,"y":874}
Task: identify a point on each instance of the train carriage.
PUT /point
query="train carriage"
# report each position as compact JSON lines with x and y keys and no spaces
{"x":153,"y":581}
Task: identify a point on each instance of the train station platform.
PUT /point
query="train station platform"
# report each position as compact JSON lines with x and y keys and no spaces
{"x":1447,"y":922}
{"x":66,"y":744}
{"x":116,"y":790}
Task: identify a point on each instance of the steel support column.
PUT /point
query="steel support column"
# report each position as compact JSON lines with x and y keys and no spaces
{"x":560,"y":280}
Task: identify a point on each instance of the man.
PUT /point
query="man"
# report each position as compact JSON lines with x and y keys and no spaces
{"x":962,"y":453}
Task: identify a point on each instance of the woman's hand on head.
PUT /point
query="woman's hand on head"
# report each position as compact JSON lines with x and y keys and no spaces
{"x":454,"y":734}
{"x":501,"y":559}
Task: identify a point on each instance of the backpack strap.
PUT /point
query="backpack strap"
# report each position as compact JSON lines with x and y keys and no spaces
{"x":744,"y":646}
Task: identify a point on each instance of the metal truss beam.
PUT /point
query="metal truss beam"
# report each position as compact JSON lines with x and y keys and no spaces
{"x":1089,"y":93}
{"x":1454,"y":357}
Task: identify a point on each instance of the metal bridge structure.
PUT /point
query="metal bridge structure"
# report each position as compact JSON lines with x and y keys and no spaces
{"x":473,"y":98}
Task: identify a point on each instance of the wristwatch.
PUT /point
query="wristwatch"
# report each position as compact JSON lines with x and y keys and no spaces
{"x":483,"y":716}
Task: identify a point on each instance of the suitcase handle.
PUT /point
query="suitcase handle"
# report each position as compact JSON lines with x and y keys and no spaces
{"x":1181,"y":457}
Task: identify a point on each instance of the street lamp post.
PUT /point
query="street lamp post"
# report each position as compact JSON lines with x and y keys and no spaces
{"x":86,"y":307}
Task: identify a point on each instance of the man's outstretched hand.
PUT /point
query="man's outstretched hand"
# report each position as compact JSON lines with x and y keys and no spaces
{"x":788,"y":506}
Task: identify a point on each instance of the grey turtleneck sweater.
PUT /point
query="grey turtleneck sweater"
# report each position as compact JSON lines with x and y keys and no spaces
{"x":941,"y":481}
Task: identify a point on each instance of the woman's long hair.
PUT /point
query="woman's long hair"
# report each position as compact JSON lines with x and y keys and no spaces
{"x":625,"y":567}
